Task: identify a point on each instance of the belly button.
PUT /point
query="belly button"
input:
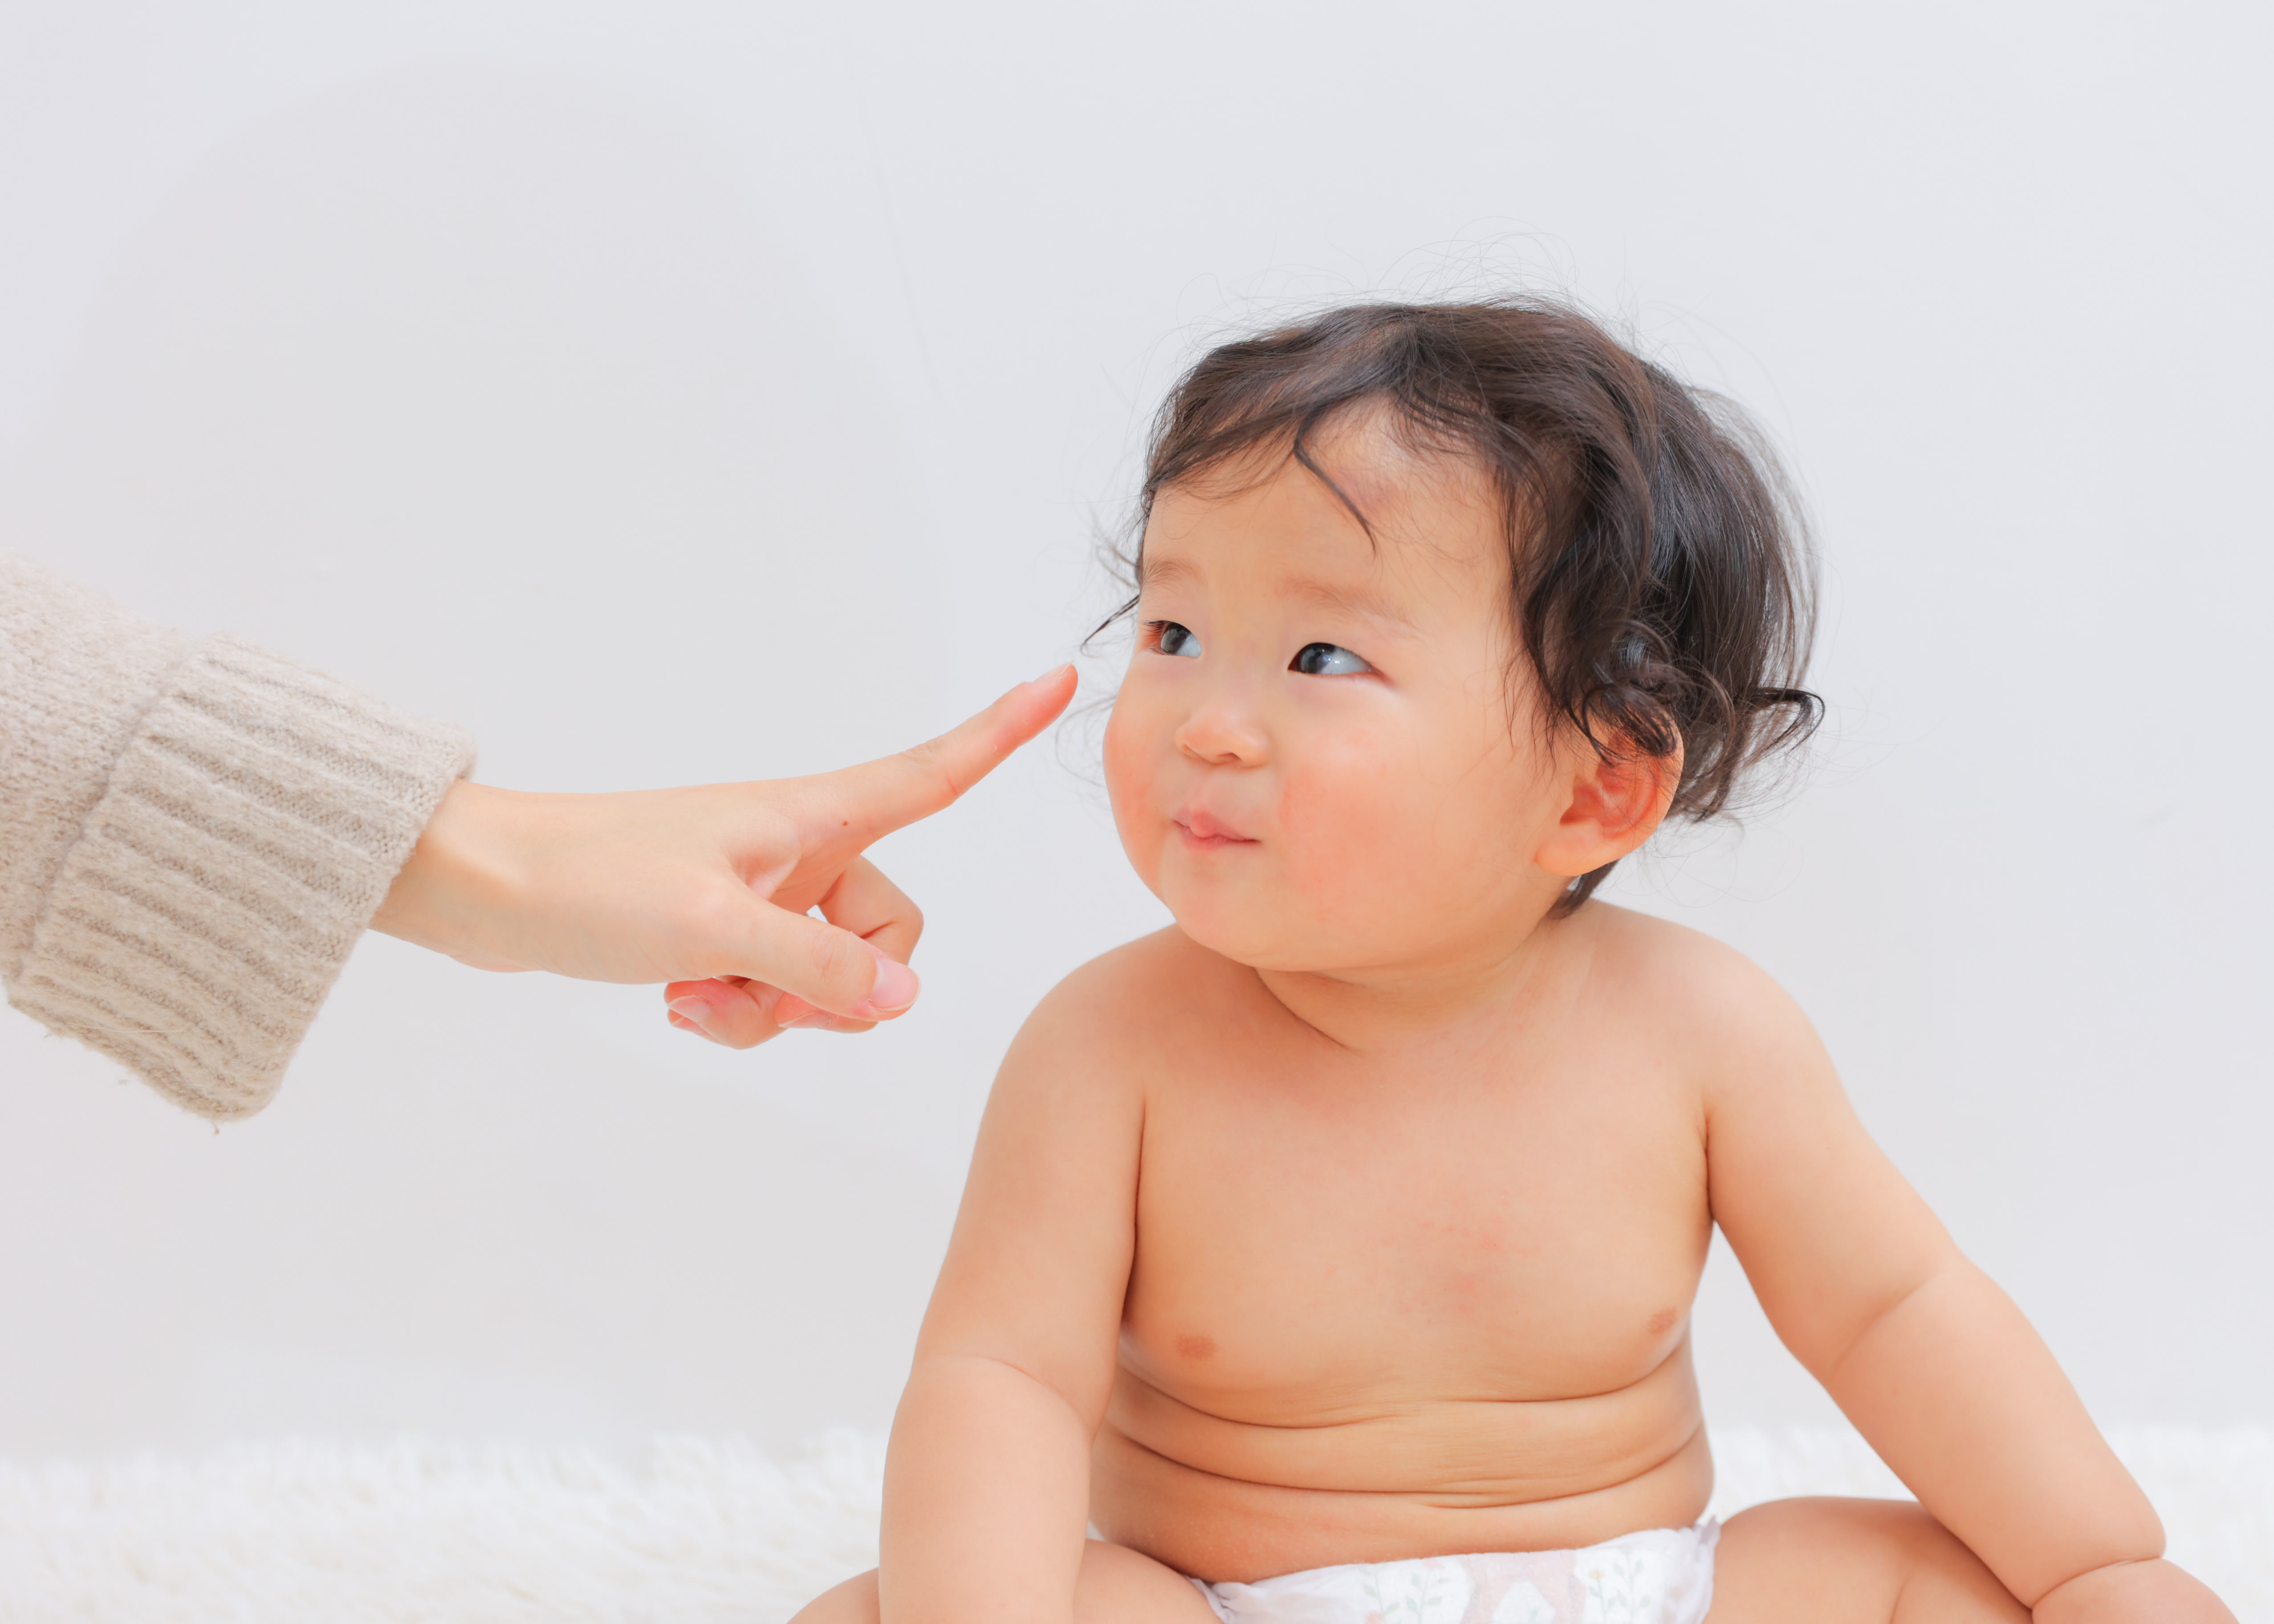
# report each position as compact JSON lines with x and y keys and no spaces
{"x":1196,"y":1347}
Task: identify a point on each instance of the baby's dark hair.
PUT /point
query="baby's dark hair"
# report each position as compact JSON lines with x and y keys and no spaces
{"x":1663,"y":587}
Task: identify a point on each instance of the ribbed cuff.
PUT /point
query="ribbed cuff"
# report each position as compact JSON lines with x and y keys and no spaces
{"x":250,"y":831}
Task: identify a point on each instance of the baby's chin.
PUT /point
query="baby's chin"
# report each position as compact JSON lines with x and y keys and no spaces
{"x":1257,"y":937}
{"x":1247,"y":912}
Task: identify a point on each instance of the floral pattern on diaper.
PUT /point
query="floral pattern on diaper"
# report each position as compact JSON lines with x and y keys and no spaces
{"x":1662,"y":1576}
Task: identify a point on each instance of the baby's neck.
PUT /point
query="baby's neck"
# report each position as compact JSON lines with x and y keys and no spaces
{"x":1405,"y":1011}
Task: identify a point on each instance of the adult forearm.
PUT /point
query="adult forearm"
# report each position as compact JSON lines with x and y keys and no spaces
{"x":1963,"y":1398}
{"x":986,"y":1498}
{"x":191,"y":838}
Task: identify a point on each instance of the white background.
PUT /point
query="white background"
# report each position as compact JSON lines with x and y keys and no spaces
{"x":679,"y":392}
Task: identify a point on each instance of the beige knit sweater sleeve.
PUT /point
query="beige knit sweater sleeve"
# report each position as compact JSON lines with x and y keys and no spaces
{"x":192,"y":837}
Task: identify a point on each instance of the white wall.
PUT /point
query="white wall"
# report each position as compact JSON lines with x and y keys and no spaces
{"x":689,"y":391}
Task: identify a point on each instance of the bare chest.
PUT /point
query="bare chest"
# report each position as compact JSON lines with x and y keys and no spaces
{"x":1315,"y":1249}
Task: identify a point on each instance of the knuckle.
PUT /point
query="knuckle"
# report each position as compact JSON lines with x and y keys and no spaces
{"x":936,"y":766}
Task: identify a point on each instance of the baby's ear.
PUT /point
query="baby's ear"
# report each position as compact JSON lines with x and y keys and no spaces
{"x":1612,"y":805}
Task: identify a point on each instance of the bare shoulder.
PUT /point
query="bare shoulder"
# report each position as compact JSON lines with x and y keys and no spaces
{"x":1725,"y":1011}
{"x":1663,"y":961}
{"x":1108,"y":1013}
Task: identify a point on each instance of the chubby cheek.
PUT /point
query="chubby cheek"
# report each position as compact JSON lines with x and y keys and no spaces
{"x":1347,"y":827}
{"x":1387,"y":843}
{"x":1136,"y":757}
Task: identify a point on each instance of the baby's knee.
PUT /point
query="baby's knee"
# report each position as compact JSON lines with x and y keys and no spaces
{"x":1870,"y":1561}
{"x":853,"y":1602}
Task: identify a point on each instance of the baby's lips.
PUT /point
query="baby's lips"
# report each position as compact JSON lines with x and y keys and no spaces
{"x":1204,"y":826}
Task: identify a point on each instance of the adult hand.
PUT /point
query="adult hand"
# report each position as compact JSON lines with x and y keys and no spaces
{"x":707,"y":888}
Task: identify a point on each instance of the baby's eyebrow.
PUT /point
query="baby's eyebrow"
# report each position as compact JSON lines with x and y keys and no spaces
{"x":1165,"y":572}
{"x":1351,"y":599}
{"x":1358,"y":600}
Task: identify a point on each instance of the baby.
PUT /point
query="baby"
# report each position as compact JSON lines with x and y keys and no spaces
{"x":1327,"y":1255}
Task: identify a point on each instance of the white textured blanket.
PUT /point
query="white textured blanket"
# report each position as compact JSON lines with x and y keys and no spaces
{"x":712,"y":1532}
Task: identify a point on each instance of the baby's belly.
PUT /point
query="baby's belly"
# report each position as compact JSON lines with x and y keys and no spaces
{"x":1227,"y":1500}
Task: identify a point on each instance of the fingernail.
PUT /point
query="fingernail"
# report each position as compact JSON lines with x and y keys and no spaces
{"x":895,"y":988}
{"x":695,"y":1011}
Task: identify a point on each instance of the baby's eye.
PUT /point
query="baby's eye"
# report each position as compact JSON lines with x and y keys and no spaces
{"x":1171,"y":638}
{"x":1327,"y":659}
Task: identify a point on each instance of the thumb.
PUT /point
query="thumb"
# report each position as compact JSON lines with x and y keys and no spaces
{"x":874,"y":799}
{"x":829,"y":968}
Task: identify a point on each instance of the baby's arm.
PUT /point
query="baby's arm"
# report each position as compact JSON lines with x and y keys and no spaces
{"x":1932,"y":1362}
{"x":987,"y":1482}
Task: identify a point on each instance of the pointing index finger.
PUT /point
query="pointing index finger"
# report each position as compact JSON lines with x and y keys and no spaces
{"x":879,"y":796}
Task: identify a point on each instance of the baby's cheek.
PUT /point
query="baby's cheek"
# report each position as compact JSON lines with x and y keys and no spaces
{"x":1348,"y":826}
{"x":1132,"y":775}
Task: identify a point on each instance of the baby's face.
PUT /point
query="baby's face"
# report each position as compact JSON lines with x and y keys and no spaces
{"x":1316,"y":759}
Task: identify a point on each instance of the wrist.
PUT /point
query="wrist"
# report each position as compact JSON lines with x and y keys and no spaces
{"x":456,"y":875}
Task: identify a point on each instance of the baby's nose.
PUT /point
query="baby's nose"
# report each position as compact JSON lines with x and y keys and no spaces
{"x":1222,"y":734}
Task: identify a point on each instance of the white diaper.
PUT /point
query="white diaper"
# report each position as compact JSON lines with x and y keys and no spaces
{"x":1662,"y":1576}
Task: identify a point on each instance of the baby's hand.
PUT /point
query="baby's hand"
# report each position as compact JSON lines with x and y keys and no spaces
{"x":2153,"y":1592}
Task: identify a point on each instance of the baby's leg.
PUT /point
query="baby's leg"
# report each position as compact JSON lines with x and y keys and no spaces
{"x":1116,"y":1586}
{"x":1851,"y":1561}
